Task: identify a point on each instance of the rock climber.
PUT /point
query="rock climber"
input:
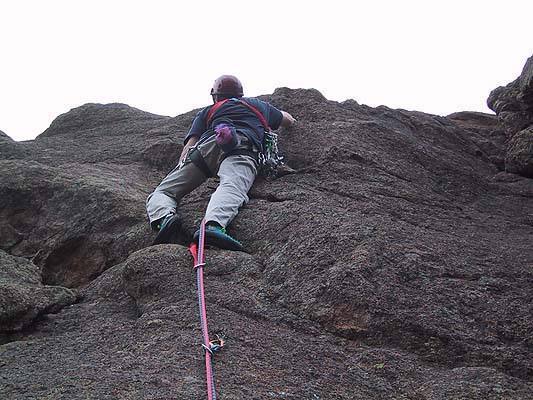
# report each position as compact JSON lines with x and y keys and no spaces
{"x":225,"y":139}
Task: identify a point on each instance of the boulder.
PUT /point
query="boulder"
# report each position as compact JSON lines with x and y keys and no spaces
{"x":514,"y":106}
{"x":93,"y":115}
{"x":23,"y":297}
{"x":519,"y":158}
{"x":73,"y":199}
{"x":514,"y":103}
{"x":73,"y":222}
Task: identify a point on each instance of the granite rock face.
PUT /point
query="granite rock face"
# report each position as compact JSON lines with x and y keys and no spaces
{"x":514,"y":106}
{"x":395,"y":262}
{"x":23,"y":297}
{"x":4,"y":137}
{"x":519,"y":157}
{"x":486,"y":131}
{"x":73,"y":199}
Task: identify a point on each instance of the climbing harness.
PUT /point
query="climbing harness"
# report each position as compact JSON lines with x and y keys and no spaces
{"x":269,"y":157}
{"x":210,"y":346}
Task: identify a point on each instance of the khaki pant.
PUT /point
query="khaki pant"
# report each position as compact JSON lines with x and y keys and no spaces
{"x":237,"y":174}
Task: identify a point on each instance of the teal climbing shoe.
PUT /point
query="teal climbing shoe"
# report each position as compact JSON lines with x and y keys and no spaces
{"x":216,"y":236}
{"x":167,"y":227}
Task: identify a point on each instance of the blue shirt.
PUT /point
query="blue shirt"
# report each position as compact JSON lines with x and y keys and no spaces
{"x":241,"y":117}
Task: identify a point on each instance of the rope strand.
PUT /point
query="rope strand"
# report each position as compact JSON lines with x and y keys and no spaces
{"x":199,"y":263}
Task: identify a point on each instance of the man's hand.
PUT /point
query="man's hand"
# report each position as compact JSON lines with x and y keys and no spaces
{"x":288,"y":120}
{"x":191,"y":142}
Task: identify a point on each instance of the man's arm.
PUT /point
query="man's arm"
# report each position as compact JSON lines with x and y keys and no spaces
{"x":190,"y":142}
{"x":197,"y":128}
{"x":288,"y":120}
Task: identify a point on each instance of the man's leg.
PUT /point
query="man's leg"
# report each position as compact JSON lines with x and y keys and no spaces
{"x":180,"y":181}
{"x":237,"y":175}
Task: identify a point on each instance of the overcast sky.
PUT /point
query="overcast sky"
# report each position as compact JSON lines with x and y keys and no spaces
{"x":163,"y":56}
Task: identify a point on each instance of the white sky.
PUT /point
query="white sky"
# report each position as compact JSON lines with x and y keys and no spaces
{"x":163,"y":56}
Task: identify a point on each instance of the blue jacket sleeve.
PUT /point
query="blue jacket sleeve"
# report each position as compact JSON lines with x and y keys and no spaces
{"x":271,"y":113}
{"x":274,"y":117}
{"x":198,"y":126}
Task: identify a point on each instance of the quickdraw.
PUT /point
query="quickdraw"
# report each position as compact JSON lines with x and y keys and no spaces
{"x":210,"y":346}
{"x":270,"y":158}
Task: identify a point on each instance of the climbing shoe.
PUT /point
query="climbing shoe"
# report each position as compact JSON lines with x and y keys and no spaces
{"x":167,"y":227}
{"x":216,"y":236}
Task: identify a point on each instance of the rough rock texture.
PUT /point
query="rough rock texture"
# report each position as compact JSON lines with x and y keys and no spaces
{"x":4,"y":137}
{"x":23,"y":297}
{"x":93,"y":116}
{"x":486,"y":132}
{"x":395,"y":263}
{"x":514,"y":106}
{"x":520,"y":153}
{"x":73,"y":199}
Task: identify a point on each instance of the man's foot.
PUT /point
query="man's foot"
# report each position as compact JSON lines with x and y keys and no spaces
{"x":216,"y":236}
{"x":167,"y":226}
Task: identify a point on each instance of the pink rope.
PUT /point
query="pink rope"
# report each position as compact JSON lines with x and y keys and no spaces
{"x":199,"y":263}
